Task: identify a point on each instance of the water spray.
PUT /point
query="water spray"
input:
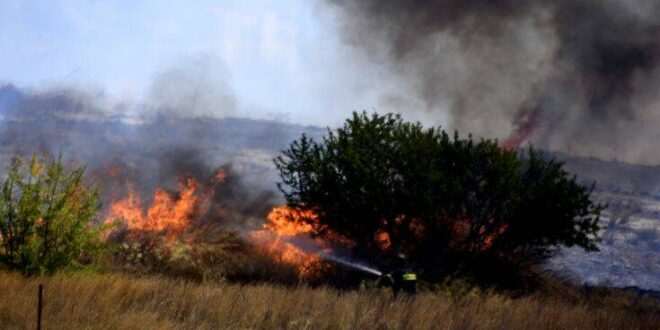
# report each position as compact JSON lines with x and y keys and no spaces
{"x":307,"y":244}
{"x":350,"y":264}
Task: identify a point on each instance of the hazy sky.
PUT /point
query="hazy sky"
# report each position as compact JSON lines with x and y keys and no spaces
{"x":281,"y":58}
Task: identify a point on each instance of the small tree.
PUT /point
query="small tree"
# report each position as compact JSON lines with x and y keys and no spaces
{"x":446,"y":202}
{"x":45,"y":216}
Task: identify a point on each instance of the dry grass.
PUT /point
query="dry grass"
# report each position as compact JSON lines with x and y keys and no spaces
{"x":84,"y":301}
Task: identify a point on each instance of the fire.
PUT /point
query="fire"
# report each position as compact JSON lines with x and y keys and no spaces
{"x":461,"y":229}
{"x":490,"y":239}
{"x":284,"y":224}
{"x":171,"y":214}
{"x":167,"y":213}
{"x":526,"y":123}
{"x":286,"y":221}
{"x":383,"y":240}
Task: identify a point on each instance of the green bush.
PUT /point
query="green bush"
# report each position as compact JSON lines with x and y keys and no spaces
{"x":46,"y":213}
{"x":448,"y":203}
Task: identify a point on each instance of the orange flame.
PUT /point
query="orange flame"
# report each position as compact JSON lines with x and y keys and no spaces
{"x":286,"y":221}
{"x":383,"y":240}
{"x":490,"y":239}
{"x":166,"y":213}
{"x":282,"y":224}
{"x":171,"y":214}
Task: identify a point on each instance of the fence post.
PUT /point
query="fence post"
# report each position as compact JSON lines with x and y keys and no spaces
{"x":40,"y":305}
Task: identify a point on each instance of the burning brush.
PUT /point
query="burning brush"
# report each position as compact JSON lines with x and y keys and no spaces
{"x":172,"y":219}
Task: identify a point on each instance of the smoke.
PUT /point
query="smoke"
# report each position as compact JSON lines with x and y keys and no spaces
{"x":571,"y":75}
{"x":197,"y":87}
{"x":184,"y":130}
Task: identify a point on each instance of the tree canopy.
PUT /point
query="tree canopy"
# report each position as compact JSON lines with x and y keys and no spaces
{"x":392,"y":187}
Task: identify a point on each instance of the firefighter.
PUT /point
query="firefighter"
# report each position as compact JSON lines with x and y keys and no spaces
{"x":403,"y":278}
{"x":409,"y":282}
{"x":400,"y":281}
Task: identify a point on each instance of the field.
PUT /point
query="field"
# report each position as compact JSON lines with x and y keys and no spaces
{"x":113,"y":301}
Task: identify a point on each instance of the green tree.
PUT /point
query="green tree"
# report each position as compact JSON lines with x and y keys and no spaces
{"x":45,"y":216}
{"x":394,"y":187}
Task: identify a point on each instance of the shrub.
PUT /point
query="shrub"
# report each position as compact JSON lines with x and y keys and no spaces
{"x":448,"y":203}
{"x":46,"y":213}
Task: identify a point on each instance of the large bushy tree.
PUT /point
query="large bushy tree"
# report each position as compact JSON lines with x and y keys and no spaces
{"x":45,"y":216}
{"x":396,"y":187}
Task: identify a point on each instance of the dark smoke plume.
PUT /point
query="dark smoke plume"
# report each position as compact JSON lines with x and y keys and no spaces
{"x":573,"y":75}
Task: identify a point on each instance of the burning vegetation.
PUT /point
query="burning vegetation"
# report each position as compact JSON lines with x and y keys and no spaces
{"x":448,"y":204}
{"x":175,"y":217}
{"x":283,"y":227}
{"x":167,"y":213}
{"x":458,"y":204}
{"x":370,"y":192}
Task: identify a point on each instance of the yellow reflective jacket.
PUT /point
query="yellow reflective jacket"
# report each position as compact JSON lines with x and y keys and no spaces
{"x":410,"y":277}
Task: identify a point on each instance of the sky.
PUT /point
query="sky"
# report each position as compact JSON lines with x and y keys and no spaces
{"x":280,"y":59}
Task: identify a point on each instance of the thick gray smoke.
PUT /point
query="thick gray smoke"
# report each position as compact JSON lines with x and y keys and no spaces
{"x":573,"y":75}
